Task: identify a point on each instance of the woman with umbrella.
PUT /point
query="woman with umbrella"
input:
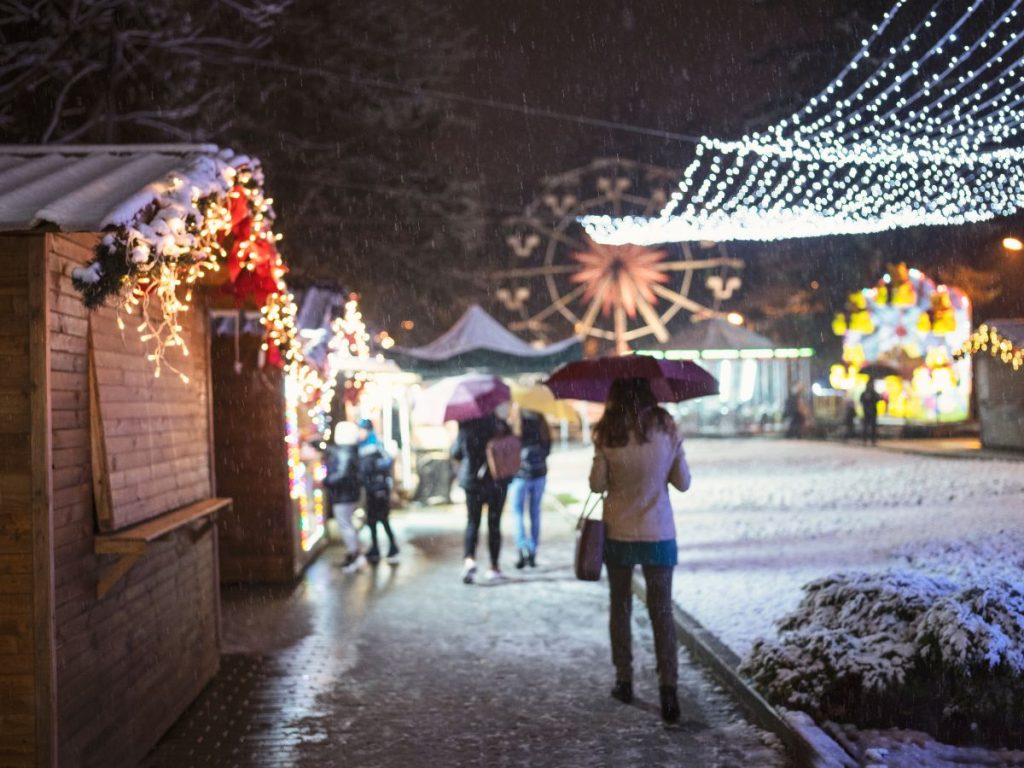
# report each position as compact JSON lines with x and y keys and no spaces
{"x":471,"y":400}
{"x":638,"y":453}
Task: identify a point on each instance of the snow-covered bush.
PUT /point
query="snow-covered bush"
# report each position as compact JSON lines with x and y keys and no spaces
{"x":900,"y":648}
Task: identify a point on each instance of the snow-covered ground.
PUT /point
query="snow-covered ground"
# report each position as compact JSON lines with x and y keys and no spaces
{"x":764,"y":517}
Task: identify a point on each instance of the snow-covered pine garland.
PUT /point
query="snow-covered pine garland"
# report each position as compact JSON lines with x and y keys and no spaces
{"x":211,"y":217}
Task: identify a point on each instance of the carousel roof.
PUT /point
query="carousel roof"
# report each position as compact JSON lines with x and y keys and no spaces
{"x":715,"y":333}
{"x":479,"y":342}
{"x":88,"y":188}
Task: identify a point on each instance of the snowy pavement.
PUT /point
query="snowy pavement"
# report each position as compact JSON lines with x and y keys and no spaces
{"x":764,"y":517}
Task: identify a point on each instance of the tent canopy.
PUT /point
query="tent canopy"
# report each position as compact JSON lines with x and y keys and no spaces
{"x":715,"y":333}
{"x":478,"y":342}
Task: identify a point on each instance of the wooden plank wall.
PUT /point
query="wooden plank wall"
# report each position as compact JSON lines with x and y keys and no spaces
{"x":257,"y":535}
{"x":20,"y":726}
{"x":154,"y":431}
{"x":129,"y":664}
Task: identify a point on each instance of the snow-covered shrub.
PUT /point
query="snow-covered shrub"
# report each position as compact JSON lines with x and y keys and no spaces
{"x":902,"y":649}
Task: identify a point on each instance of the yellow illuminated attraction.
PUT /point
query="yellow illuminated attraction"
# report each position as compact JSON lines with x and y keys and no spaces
{"x":908,"y":330}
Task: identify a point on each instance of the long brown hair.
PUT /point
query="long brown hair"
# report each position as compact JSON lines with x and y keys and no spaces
{"x":631,"y":408}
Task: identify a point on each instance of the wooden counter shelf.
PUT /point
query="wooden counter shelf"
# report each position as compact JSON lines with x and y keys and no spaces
{"x":130,"y":543}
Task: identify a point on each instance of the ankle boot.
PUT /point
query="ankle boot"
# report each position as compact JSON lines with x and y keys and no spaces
{"x":623,"y":691}
{"x":521,"y":562}
{"x":669,"y":704}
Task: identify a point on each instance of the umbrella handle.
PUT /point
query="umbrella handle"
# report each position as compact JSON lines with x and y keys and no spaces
{"x":588,"y":508}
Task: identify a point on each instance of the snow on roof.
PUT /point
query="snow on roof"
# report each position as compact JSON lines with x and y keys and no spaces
{"x":88,"y":188}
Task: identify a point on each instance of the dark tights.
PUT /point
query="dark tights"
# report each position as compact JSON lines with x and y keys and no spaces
{"x":377,"y":512}
{"x":493,"y":495}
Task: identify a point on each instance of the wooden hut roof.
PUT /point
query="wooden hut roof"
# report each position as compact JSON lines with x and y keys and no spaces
{"x":88,"y":188}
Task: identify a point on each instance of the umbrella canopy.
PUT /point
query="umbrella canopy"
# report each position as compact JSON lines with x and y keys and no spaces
{"x":671,"y":380}
{"x":880,"y":371}
{"x":460,"y":398}
{"x":540,"y":399}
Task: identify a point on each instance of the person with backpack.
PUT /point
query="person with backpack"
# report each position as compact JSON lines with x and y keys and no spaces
{"x":375,"y":469}
{"x":343,"y":487}
{"x":482,"y":487}
{"x":529,"y":484}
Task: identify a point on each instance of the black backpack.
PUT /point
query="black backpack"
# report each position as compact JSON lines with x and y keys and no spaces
{"x":375,"y":468}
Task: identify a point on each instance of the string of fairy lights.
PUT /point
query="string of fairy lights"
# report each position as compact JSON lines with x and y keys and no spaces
{"x":922,"y":127}
{"x":988,"y":339}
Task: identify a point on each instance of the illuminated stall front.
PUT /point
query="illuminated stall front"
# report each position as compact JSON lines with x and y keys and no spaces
{"x":904,"y":333}
{"x":755,"y":375}
{"x":267,"y":453}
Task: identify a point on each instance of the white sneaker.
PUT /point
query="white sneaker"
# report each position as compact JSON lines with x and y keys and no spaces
{"x":469,"y":571}
{"x":494,"y":574}
{"x":356,"y":565}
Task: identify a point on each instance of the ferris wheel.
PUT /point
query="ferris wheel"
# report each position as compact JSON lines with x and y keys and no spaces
{"x":615,"y":294}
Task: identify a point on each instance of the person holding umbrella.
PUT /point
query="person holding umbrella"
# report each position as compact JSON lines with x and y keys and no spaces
{"x":637,"y":454}
{"x":471,"y":400}
{"x":482,"y":490}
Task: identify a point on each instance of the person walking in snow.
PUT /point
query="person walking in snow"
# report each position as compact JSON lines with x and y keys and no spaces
{"x":482,"y":490}
{"x":343,"y":487}
{"x":375,"y":476}
{"x":528,"y":484}
{"x":637,"y":453}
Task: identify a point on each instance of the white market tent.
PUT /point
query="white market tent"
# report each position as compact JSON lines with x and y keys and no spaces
{"x":478,"y":342}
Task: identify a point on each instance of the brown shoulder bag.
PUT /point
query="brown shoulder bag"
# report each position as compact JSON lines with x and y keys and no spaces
{"x":589,"y":542}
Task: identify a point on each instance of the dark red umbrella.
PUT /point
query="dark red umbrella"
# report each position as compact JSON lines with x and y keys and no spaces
{"x":671,"y":380}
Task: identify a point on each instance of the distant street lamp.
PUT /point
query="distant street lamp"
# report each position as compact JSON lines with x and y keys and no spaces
{"x":1013,"y":244}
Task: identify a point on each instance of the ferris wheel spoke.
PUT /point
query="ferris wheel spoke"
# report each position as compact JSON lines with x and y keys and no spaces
{"x":650,"y":315}
{"x":550,"y":269}
{"x":587,"y":322}
{"x":677,"y":266}
{"x":621,"y":347}
{"x":561,"y":237}
{"x":684,"y":301}
{"x":569,"y":298}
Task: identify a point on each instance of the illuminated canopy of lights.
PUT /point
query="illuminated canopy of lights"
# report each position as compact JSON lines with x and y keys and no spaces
{"x":922,"y":127}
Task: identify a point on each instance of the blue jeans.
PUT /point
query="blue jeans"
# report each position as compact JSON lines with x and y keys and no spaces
{"x":519,"y":490}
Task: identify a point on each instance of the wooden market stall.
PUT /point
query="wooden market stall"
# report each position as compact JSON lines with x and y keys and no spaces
{"x":267,"y":460}
{"x":998,"y":349}
{"x":109,"y":584}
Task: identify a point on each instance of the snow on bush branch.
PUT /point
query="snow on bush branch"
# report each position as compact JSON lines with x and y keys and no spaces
{"x":902,"y":649}
{"x":163,"y":240}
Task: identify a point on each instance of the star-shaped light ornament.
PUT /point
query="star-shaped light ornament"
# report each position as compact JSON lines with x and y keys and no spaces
{"x":619,"y":276}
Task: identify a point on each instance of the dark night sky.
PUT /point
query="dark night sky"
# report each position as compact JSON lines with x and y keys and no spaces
{"x":717,"y":67}
{"x":689,"y":67}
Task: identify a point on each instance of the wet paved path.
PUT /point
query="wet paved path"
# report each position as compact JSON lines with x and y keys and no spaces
{"x":406,"y":666}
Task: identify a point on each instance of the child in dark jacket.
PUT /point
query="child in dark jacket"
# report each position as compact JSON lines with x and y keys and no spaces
{"x":375,"y":468}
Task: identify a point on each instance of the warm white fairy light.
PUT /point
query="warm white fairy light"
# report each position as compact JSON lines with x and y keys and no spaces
{"x":930,"y":136}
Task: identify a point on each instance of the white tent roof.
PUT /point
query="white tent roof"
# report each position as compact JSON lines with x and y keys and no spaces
{"x":477,"y":330}
{"x":87,"y":188}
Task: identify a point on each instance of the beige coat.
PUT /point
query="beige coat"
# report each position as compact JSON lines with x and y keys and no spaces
{"x":636,"y":478}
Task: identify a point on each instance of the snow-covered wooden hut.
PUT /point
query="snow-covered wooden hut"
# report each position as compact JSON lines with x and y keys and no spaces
{"x":108,"y":550}
{"x":998,"y":348}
